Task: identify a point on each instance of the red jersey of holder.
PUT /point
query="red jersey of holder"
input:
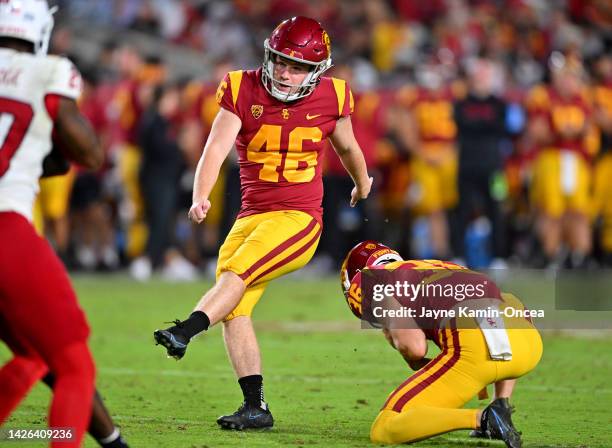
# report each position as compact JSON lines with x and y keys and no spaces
{"x":424,"y":284}
{"x":280,"y":144}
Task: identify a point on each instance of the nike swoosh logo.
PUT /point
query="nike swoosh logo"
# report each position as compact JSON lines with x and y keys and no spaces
{"x":253,"y":417}
{"x":310,"y":117}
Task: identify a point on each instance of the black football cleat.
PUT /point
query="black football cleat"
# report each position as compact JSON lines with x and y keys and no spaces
{"x":481,"y":434}
{"x":496,"y":423}
{"x":173,"y":339}
{"x":247,"y":417}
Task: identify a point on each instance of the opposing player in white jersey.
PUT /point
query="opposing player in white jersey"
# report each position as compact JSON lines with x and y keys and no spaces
{"x":40,"y":319}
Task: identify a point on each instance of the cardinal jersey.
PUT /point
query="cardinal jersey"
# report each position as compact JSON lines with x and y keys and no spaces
{"x":280,"y":144}
{"x":30,"y":87}
{"x":433,"y":113}
{"x":442,"y":286}
{"x":565,"y":113}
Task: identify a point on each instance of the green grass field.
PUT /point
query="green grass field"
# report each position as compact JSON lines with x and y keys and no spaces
{"x":325,"y":379}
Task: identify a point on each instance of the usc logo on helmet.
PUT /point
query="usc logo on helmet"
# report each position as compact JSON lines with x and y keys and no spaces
{"x":327,"y":41}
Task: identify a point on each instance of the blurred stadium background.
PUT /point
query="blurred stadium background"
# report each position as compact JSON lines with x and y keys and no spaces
{"x":152,"y":67}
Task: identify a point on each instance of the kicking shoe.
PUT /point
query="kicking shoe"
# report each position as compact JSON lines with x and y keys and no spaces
{"x":496,"y":423}
{"x":247,"y":417}
{"x":173,"y":339}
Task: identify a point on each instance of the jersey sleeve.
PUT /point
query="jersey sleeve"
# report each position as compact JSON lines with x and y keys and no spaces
{"x":228,"y":90}
{"x":346,"y":103}
{"x":65,"y":79}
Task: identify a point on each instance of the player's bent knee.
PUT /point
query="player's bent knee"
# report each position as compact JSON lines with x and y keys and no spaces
{"x":380,"y":431}
{"x":387,"y":429}
{"x":74,"y":361}
{"x":227,"y":278}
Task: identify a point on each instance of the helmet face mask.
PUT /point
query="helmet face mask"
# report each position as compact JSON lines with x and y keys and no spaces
{"x":27,"y":20}
{"x":300,"y":40}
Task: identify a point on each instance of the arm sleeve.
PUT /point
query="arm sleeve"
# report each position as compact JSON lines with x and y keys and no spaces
{"x":228,"y":90}
{"x":65,"y":79}
{"x":344,"y":97}
{"x":349,"y":102}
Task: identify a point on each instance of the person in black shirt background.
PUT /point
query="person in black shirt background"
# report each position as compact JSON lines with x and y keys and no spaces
{"x":480,"y":119}
{"x":160,"y":171}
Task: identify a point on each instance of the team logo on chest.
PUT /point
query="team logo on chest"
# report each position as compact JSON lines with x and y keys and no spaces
{"x":285,"y":114}
{"x":256,"y":110}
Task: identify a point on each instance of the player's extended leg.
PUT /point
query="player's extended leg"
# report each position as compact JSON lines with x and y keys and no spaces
{"x":258,"y":248}
{"x":217,"y":303}
{"x":101,"y":425}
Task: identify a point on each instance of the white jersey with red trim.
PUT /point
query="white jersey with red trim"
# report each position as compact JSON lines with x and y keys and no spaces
{"x":29,"y":88}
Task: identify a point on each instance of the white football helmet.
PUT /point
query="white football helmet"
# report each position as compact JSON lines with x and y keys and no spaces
{"x":29,"y":20}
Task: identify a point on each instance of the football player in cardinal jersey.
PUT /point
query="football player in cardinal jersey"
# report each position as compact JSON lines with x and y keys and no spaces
{"x":40,"y":319}
{"x":473,"y":355}
{"x":278,"y":117}
{"x":561,"y":122}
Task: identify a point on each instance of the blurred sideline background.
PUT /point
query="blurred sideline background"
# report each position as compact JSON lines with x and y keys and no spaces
{"x":486,"y":126}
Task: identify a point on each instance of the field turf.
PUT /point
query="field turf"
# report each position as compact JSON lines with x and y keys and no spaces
{"x":325,"y":379}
